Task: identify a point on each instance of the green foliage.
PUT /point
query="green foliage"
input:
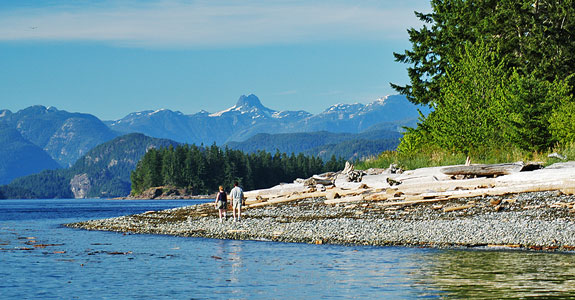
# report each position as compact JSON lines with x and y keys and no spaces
{"x":434,"y":156}
{"x":568,"y":150}
{"x":499,"y":75}
{"x":529,"y":104}
{"x":412,"y":141}
{"x":562,"y":122}
{"x":534,"y":37}
{"x":467,"y":116}
{"x":45,"y":185}
{"x":485,"y":105}
{"x":203,"y":169}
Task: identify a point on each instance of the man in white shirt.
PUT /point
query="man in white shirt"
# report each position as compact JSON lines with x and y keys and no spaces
{"x":237,"y":194}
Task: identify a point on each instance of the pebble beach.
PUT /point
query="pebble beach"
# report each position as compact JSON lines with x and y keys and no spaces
{"x":529,"y":221}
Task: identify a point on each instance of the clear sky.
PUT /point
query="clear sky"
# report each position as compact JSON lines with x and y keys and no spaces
{"x":113,"y":57}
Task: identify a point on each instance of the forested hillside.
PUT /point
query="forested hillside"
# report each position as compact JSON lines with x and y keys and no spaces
{"x":108,"y":166}
{"x":354,"y":149}
{"x":323,"y":144}
{"x":103,"y":172}
{"x":499,"y":75}
{"x":63,"y":135}
{"x":202,"y":170}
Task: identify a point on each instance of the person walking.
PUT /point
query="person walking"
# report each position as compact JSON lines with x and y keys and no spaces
{"x":222,"y":203}
{"x":237,"y":194}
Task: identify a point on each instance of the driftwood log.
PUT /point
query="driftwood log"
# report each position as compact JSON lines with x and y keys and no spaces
{"x":484,"y":170}
{"x":426,"y":186}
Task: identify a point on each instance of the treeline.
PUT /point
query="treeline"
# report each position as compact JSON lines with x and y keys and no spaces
{"x":499,"y":75}
{"x":203,"y":169}
{"x":356,"y":149}
{"x":351,"y":146}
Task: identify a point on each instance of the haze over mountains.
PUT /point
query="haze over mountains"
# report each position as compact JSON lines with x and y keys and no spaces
{"x":39,"y":137}
{"x":249,"y":117}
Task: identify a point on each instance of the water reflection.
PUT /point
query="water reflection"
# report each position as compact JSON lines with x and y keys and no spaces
{"x":499,"y":274}
{"x":166,"y":267}
{"x":230,"y":255}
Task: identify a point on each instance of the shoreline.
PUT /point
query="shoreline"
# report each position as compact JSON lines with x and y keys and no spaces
{"x":541,"y":221}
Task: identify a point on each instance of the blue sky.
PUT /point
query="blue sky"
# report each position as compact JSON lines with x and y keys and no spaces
{"x":113,"y":57}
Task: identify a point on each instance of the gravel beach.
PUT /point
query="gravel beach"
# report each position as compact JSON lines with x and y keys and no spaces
{"x":533,"y":221}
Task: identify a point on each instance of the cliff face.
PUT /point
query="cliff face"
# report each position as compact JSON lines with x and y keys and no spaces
{"x":80,"y":186}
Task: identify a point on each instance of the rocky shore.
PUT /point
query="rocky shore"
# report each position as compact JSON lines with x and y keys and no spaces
{"x":507,"y":206}
{"x":537,"y":221}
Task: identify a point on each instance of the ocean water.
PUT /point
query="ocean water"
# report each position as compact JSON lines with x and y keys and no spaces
{"x":40,"y":259}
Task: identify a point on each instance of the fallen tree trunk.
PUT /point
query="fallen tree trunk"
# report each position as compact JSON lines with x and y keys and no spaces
{"x":484,"y":170}
{"x":290,"y":198}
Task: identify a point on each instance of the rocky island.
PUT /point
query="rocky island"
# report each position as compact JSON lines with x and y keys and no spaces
{"x":516,"y":205}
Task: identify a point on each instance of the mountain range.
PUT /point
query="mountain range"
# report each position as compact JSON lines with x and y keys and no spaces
{"x":39,"y":138}
{"x":64,"y":136}
{"x":350,"y":146}
{"x":102,"y":172}
{"x":249,"y":117}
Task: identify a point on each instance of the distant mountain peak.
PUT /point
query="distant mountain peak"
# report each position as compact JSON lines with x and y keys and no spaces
{"x":250,"y":100}
{"x":248,"y":104}
{"x":4,"y":113}
{"x":165,"y":111}
{"x":390,"y":98}
{"x":343,"y":107}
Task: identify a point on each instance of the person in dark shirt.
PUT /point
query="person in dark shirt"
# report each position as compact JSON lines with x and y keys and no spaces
{"x":222,"y":203}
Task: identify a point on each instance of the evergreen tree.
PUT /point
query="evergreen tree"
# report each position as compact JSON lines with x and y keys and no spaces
{"x":467,"y":117}
{"x":483,"y":68}
{"x":533,"y":36}
{"x":205,"y":169}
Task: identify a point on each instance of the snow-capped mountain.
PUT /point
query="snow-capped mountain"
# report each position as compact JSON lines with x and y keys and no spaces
{"x":205,"y":127}
{"x":250,"y":105}
{"x":50,"y":136}
{"x":249,"y":117}
{"x":359,"y":117}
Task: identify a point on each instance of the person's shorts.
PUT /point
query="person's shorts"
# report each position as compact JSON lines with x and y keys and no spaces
{"x":237,"y":203}
{"x":221,"y":204}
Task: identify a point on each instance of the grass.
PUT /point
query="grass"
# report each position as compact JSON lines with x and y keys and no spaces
{"x":433,"y":157}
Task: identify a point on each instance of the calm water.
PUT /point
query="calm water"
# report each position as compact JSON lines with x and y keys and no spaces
{"x":77,"y":264}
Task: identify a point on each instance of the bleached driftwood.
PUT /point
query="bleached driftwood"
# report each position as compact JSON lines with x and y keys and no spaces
{"x":284,"y":199}
{"x":426,"y":185}
{"x":484,"y":170}
{"x":315,"y":180}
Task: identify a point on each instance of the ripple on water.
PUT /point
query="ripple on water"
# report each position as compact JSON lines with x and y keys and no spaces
{"x":112,"y":265}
